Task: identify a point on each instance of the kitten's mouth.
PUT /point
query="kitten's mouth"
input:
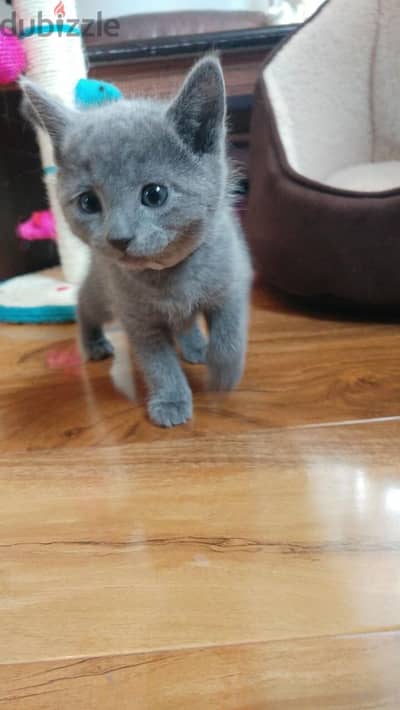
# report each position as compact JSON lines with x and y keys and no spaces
{"x":176,"y":252}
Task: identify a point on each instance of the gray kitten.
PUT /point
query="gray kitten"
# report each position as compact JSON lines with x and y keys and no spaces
{"x":145,"y":184}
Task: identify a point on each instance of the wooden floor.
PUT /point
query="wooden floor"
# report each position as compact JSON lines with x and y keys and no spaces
{"x":249,"y":561}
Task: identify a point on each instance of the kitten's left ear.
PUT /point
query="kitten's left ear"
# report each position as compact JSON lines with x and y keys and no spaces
{"x":42,"y":109}
{"x":198,"y":111}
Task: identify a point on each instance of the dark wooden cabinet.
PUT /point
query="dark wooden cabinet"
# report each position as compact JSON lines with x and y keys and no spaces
{"x":21,"y":192}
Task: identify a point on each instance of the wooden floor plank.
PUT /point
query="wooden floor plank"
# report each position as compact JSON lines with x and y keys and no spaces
{"x":260,"y":537}
{"x":342,"y":673}
{"x":301,"y":370}
{"x":247,"y":561}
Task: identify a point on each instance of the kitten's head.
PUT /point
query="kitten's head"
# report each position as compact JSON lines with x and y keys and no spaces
{"x":140,"y":180}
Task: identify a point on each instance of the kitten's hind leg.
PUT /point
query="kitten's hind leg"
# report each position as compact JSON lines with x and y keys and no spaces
{"x":96,"y":345}
{"x":193,"y":345}
{"x":93,"y":313}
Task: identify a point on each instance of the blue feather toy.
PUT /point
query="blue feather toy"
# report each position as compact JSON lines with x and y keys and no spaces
{"x":90,"y":92}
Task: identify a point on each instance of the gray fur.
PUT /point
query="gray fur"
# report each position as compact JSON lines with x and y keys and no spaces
{"x":158,"y":268}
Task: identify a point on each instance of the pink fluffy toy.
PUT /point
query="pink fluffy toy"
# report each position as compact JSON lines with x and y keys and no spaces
{"x":40,"y":226}
{"x":12,"y":57}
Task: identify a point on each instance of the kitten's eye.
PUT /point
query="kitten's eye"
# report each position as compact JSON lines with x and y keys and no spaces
{"x":89,"y":202}
{"x":154,"y":195}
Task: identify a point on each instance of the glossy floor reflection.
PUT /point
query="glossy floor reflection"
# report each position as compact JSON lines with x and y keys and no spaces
{"x":249,"y":560}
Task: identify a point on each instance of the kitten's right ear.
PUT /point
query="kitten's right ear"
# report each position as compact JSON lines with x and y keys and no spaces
{"x":43,"y":110}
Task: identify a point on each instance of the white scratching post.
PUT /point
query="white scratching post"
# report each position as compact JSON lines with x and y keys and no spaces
{"x":55,"y":61}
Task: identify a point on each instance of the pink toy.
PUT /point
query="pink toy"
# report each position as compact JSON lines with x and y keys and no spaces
{"x":12,"y":57}
{"x":68,"y":360}
{"x":40,"y":226}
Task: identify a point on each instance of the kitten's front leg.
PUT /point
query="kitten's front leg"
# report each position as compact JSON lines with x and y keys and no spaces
{"x":228,"y":341}
{"x":170,"y":397}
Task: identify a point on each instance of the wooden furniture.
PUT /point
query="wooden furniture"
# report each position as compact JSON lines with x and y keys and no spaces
{"x":21,"y":191}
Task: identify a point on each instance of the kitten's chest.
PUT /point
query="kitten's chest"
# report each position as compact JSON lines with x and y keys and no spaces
{"x":156,"y":296}
{"x":174,"y":298}
{"x":173,"y":295}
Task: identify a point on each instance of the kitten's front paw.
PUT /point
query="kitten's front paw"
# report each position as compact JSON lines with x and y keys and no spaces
{"x":168,"y":413}
{"x":100,"y":349}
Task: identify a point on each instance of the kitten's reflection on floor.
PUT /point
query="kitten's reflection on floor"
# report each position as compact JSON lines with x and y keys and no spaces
{"x":122,"y":370}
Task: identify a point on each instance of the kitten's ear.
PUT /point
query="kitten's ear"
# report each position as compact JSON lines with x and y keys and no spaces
{"x":198,"y":111}
{"x":42,"y":109}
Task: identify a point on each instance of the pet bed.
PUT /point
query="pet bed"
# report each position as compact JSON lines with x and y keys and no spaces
{"x":324,"y":205}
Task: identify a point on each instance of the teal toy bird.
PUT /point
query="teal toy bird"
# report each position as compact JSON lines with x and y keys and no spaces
{"x":90,"y":92}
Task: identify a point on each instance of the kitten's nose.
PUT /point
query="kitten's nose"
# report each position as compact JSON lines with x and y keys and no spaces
{"x":121,"y":244}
